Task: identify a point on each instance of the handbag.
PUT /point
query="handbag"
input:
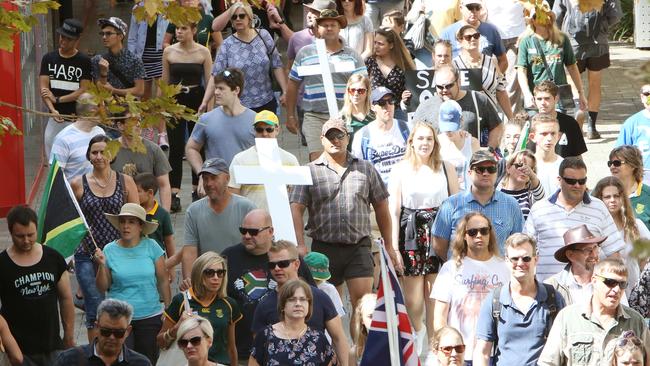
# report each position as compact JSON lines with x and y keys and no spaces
{"x":419,"y":34}
{"x":269,"y":53}
{"x":174,"y":356}
{"x":563,"y":90}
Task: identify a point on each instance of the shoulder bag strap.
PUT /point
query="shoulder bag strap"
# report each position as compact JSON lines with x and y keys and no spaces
{"x":540,"y":53}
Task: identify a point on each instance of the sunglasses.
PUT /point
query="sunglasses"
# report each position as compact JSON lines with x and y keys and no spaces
{"x":573,"y":181}
{"x":360,"y":91}
{"x":209,"y":272}
{"x":646,"y":93}
{"x":526,"y":259}
{"x":611,"y":283}
{"x":628,"y":336}
{"x":383,"y":102}
{"x":473,"y":7}
{"x":262,"y":129}
{"x":336,"y":136}
{"x":469,"y":37}
{"x":252,"y":232}
{"x":482,"y":169}
{"x":616,"y":163}
{"x":446,"y":87}
{"x":182,"y":343}
{"x":241,"y":16}
{"x":473,"y":232}
{"x":106,"y":34}
{"x":282,"y":264}
{"x":117,"y":333}
{"x":587,"y":251}
{"x":447,"y":349}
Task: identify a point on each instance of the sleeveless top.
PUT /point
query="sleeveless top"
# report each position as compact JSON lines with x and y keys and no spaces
{"x":424,"y":188}
{"x":185,"y":73}
{"x":459,"y":158}
{"x":94,"y":207}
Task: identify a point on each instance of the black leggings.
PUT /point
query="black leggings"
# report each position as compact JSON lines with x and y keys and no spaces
{"x":178,"y":136}
{"x":143,"y":337}
{"x":272,"y":106}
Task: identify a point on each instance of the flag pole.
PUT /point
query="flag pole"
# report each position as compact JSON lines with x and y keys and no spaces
{"x":389,"y":303}
{"x":523,"y":138}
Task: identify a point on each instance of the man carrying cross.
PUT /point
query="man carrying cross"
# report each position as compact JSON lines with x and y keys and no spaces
{"x":314,"y":102}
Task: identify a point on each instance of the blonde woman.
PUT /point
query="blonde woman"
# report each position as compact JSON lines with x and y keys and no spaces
{"x":460,"y":287}
{"x":207,"y":297}
{"x":356,"y":104}
{"x":558,"y":51}
{"x":449,"y":347}
{"x":195,"y":338}
{"x":521,"y":182}
{"x":418,"y":185}
{"x":360,"y":326}
{"x":611,"y":191}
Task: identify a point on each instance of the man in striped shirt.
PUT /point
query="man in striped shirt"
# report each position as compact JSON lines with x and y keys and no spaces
{"x":569,"y":207}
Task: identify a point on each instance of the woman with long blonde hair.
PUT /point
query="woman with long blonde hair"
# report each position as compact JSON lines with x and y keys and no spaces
{"x":466,"y":280}
{"x":418,"y":185}
{"x":356,"y":104}
{"x":521,"y":182}
{"x":361,"y":325}
{"x":611,"y":191}
{"x":558,"y":51}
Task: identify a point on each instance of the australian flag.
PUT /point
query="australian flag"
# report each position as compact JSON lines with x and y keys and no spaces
{"x":378,"y":350}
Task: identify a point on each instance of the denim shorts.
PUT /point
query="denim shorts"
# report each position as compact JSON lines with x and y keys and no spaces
{"x":85,"y":270}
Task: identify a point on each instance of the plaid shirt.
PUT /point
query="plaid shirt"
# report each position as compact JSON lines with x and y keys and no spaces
{"x":339,"y":206}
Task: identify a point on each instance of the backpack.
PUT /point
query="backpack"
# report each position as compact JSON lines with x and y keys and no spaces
{"x":365,"y":137}
{"x":551,"y":302}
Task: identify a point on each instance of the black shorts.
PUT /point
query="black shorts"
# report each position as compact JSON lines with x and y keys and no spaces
{"x":594,"y":63}
{"x":347,"y":260}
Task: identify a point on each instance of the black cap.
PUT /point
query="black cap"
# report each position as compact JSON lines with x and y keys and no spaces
{"x":71,"y":28}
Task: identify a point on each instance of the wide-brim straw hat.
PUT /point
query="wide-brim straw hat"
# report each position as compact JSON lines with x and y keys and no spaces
{"x":132,"y":210}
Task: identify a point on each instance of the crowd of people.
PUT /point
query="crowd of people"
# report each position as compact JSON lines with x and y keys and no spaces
{"x":480,"y":196}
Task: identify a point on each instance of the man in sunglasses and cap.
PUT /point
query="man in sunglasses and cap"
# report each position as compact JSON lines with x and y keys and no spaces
{"x":114,"y":323}
{"x":212,"y":222}
{"x":64,"y":76}
{"x":585,"y":333}
{"x":569,"y":207}
{"x":502,"y":210}
{"x":580,"y":252}
{"x":249,"y":276}
{"x":515,"y":319}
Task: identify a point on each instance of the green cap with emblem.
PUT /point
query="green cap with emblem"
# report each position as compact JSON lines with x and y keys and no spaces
{"x":319,"y":265}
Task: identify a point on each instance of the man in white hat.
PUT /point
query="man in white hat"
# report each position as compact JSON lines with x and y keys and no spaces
{"x":490,"y":42}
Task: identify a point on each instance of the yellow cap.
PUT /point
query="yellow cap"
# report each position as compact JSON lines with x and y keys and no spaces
{"x":267,"y":117}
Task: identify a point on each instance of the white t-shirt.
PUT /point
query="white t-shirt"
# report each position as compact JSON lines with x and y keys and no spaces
{"x":547,"y":174}
{"x":384,"y":149}
{"x":507,"y":16}
{"x":419,"y":189}
{"x":70,"y":146}
{"x":330,"y":290}
{"x":459,"y":158}
{"x":465,"y":288}
{"x":255,"y":192}
{"x":633,"y":270}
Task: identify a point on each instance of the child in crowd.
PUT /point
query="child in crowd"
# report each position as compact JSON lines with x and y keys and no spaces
{"x":628,"y":350}
{"x":319,"y":266}
{"x":512,"y":133}
{"x":164,"y":234}
{"x":545,"y":132}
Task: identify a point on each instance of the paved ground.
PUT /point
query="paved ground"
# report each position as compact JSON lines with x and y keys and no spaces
{"x":620,"y":96}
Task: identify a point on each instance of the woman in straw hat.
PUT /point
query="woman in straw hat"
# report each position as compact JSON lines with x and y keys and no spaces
{"x":132,"y":269}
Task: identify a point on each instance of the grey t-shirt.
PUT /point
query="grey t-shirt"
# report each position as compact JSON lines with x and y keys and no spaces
{"x":154,"y":161}
{"x":224,"y":136}
{"x":428,"y":110}
{"x":208,"y":230}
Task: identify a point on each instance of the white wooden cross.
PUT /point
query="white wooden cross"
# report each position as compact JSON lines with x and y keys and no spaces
{"x":275,"y":177}
{"x":326,"y":71}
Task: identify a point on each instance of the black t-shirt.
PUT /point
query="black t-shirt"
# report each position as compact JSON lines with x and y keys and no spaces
{"x":30,"y":301}
{"x":572,"y":143}
{"x":65,"y":75}
{"x":249,"y":281}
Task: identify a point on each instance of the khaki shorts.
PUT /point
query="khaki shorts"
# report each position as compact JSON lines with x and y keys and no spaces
{"x":347,"y":260}
{"x":312,"y":127}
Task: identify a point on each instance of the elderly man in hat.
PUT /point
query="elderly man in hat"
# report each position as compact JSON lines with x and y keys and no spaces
{"x":339,"y":211}
{"x":480,"y":195}
{"x":580,"y":252}
{"x":212,"y":223}
{"x":64,"y":76}
{"x":314,"y":103}
{"x":118,"y":70}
